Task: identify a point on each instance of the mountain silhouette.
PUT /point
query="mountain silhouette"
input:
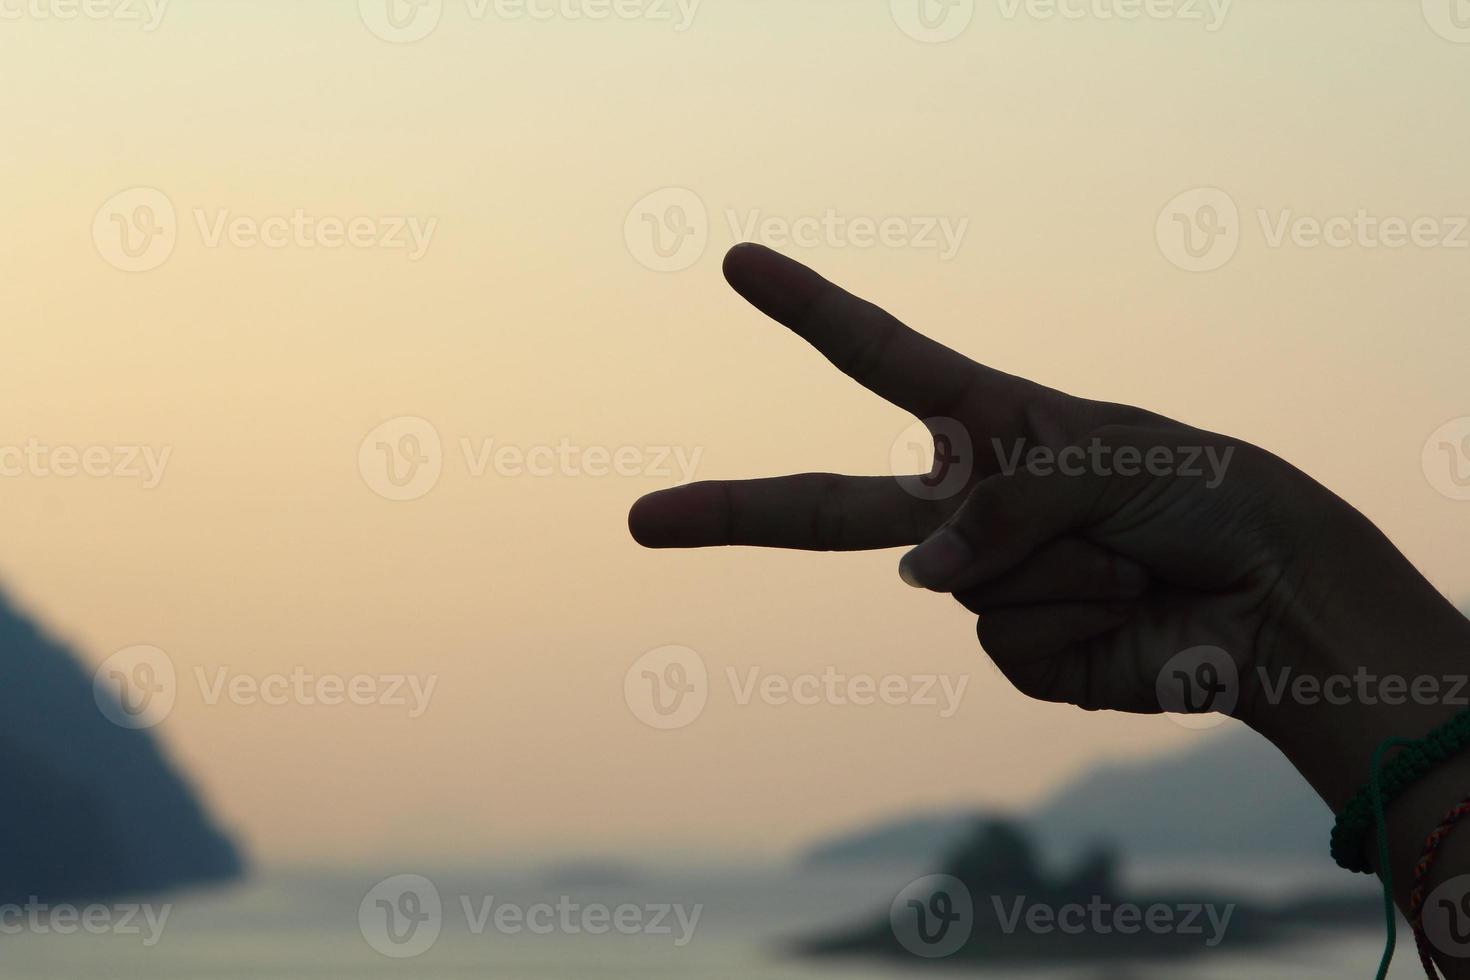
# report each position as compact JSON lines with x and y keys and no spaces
{"x":92,"y":810}
{"x":1233,"y":795}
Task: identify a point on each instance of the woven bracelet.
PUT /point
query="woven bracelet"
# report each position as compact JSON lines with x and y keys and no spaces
{"x":1357,"y":819}
{"x":1422,"y":868}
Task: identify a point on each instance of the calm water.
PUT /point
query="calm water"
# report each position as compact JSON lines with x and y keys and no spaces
{"x":305,"y":927}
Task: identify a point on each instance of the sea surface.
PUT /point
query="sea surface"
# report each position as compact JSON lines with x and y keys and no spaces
{"x":296,"y":925}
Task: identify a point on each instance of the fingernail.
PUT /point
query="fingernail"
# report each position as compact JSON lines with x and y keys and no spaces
{"x":937,"y":561}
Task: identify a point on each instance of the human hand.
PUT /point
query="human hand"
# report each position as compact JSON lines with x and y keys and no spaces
{"x":1097,"y":542}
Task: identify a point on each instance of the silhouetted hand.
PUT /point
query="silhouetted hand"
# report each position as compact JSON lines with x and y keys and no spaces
{"x":1100,"y":544}
{"x":1095,"y":540}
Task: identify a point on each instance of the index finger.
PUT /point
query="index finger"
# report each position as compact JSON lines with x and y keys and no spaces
{"x":873,"y":347}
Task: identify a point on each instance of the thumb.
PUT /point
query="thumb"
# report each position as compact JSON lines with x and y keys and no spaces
{"x":1004,"y":520}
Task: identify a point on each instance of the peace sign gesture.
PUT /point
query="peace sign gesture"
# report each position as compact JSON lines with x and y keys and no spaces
{"x":1097,"y":542}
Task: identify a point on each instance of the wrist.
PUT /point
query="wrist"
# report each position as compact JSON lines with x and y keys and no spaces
{"x":1355,"y":659}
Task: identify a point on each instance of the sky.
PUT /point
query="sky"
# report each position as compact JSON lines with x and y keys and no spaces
{"x":285,"y":324}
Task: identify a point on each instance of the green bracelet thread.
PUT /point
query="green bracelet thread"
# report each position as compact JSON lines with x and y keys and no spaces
{"x":1357,"y":818}
{"x":1365,"y":810}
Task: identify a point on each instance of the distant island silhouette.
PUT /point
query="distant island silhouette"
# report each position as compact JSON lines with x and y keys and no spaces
{"x":1013,"y":911}
{"x":92,"y":810}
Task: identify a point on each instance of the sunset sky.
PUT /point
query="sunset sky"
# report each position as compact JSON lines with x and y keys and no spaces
{"x":528,"y":314}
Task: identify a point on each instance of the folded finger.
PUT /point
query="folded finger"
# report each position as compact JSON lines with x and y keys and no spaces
{"x":1069,"y":569}
{"x":1026,"y":634}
